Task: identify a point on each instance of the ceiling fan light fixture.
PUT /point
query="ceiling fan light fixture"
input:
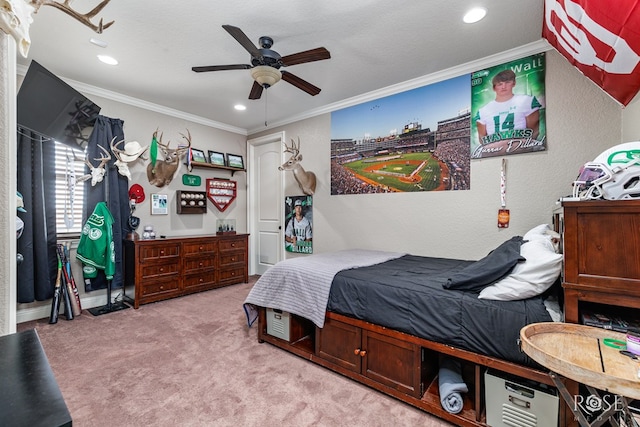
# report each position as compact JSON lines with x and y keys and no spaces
{"x":265,"y":75}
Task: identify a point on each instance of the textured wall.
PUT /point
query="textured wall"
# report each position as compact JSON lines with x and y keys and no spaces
{"x":7,"y":185}
{"x":582,"y":121}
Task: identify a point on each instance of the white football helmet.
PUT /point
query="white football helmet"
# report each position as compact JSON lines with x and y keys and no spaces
{"x":613,"y":175}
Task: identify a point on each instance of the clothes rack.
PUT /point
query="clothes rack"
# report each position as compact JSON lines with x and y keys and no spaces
{"x":110,"y":306}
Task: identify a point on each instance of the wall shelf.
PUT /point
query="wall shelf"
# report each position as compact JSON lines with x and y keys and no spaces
{"x":210,"y":166}
{"x":191,"y":202}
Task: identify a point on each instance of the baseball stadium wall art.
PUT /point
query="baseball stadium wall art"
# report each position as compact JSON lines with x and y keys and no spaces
{"x":298,"y":217}
{"x":417,"y":140}
{"x":508,"y":108}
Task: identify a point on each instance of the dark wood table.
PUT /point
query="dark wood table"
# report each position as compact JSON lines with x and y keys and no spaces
{"x":30,"y":394}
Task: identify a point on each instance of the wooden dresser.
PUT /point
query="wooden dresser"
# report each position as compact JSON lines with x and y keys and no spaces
{"x":601,"y":254}
{"x":171,"y":267}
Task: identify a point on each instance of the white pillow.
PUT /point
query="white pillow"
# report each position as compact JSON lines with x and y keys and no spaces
{"x":537,"y":232}
{"x":543,"y":231}
{"x":531,"y":277}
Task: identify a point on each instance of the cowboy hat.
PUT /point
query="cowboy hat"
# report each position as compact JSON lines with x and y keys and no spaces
{"x":132,"y":150}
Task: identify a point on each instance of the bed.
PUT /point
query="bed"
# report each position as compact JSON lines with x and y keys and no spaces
{"x":396,"y":322}
{"x":440,"y":299}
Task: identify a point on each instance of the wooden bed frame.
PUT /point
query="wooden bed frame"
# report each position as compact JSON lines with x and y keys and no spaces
{"x":398,"y":364}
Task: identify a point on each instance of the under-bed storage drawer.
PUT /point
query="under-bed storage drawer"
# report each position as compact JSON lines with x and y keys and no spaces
{"x":382,"y":358}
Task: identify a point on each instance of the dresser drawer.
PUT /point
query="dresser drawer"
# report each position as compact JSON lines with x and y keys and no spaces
{"x":160,"y":270}
{"x":231,"y":275}
{"x":232,"y":258}
{"x":232,"y":244}
{"x":159,"y":252}
{"x":199,"y":248}
{"x":206,"y":279}
{"x":199,"y":263}
{"x":159,"y":287}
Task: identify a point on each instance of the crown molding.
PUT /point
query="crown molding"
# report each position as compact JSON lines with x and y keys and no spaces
{"x":135,"y":102}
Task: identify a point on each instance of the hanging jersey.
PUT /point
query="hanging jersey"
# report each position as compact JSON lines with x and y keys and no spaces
{"x":96,"y":247}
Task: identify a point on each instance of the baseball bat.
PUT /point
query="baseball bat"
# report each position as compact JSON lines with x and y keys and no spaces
{"x":68,"y":311}
{"x":55,"y":303}
{"x":74,"y":287}
{"x":75,"y":308}
{"x":68,"y":285}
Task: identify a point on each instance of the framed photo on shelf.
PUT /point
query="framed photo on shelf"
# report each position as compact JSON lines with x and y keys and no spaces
{"x":216,"y":158}
{"x":235,"y":161}
{"x":198,"y":156}
{"x":159,"y":204}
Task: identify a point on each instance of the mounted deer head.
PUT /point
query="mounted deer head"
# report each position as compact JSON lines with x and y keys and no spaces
{"x":97,"y":172}
{"x":164,"y":170}
{"x":306,"y":180}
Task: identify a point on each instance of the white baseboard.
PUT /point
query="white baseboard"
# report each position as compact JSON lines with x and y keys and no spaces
{"x":44,"y":311}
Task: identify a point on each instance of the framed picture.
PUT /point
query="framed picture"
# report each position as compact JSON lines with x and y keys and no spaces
{"x":216,"y":158}
{"x":235,"y":161}
{"x":159,"y":204}
{"x":198,"y":156}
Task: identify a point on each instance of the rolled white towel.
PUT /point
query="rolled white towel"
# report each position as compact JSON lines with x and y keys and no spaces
{"x":451,"y":385}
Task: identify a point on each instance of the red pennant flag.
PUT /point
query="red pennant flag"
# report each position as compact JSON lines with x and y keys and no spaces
{"x":601,"y":38}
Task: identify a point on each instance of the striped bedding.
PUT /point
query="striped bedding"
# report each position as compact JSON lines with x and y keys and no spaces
{"x":301,"y":285}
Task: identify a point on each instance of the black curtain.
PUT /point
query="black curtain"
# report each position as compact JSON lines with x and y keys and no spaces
{"x":36,"y":182}
{"x":114,"y":190}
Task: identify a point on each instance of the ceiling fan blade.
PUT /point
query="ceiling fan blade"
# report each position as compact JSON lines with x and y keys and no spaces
{"x":221,"y":67}
{"x":300,"y":84}
{"x":242,"y":38}
{"x":256,"y":91}
{"x":317,"y":54}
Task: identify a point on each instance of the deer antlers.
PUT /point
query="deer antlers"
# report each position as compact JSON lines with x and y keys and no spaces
{"x":97,"y":172}
{"x":295,"y":150}
{"x":84,"y":18}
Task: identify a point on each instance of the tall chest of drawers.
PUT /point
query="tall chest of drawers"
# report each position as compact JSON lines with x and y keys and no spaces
{"x":167,"y":268}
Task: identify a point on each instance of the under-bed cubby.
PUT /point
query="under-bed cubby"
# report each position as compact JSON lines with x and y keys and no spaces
{"x":398,"y":364}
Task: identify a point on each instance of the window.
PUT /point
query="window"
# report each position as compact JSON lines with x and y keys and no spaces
{"x":69,"y":195}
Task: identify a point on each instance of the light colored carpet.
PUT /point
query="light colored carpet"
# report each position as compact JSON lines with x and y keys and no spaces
{"x":192,"y":361}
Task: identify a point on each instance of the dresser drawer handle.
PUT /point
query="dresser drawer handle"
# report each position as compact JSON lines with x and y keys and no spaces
{"x":200,"y":264}
{"x":161,"y":252}
{"x":162,"y":288}
{"x":233,"y":259}
{"x":201,"y":248}
{"x":161,"y":269}
{"x":233,"y":245}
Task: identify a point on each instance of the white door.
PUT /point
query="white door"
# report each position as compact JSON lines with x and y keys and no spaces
{"x":265,"y":202}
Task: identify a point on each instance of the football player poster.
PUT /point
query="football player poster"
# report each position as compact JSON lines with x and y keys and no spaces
{"x":298,"y":217}
{"x":508,"y":108}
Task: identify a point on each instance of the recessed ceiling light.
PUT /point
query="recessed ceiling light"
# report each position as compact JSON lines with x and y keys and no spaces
{"x":108,"y":59}
{"x":474,"y":15}
{"x":240,"y":107}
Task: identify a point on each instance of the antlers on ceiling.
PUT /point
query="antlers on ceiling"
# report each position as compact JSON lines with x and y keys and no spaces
{"x":84,"y":18}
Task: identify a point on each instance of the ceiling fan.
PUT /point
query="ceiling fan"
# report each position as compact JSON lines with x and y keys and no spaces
{"x":266,"y":63}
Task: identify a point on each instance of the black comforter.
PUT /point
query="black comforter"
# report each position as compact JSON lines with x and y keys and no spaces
{"x":407,"y":294}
